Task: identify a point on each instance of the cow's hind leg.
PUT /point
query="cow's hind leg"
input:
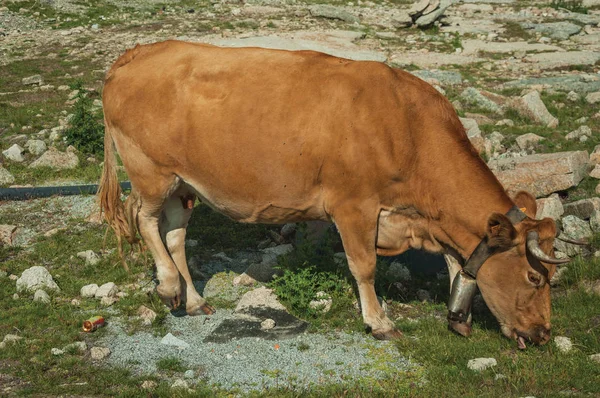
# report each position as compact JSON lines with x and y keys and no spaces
{"x":176,"y":214}
{"x":358,"y":229}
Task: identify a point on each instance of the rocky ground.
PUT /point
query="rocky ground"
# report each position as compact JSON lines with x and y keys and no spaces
{"x":523,"y":75}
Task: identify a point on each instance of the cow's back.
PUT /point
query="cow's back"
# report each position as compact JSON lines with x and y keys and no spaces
{"x":272,"y":129}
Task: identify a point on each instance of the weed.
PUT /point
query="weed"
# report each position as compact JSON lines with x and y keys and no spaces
{"x":86,"y":132}
{"x":170,"y":364}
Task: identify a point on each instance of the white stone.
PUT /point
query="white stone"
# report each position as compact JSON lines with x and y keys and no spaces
{"x":189,"y":374}
{"x":479,"y":364}
{"x":57,"y":351}
{"x":108,"y":300}
{"x":180,"y":383}
{"x":5,"y":177}
{"x":322,"y":302}
{"x":267,"y":324}
{"x":109,"y":289}
{"x":35,"y":278}
{"x":36,"y":147}
{"x":99,"y":353}
{"x":564,"y":344}
{"x":88,"y":290}
{"x":14,"y":153}
{"x":171,"y":340}
{"x":582,"y":131}
{"x":35,"y":79}
{"x":595,"y":173}
{"x":41,"y":296}
{"x":90,"y":257}
{"x":595,"y":358}
{"x":593,"y":98}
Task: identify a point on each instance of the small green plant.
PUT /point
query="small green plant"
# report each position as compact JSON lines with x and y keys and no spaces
{"x":170,"y":364}
{"x":86,"y":132}
{"x":571,"y":5}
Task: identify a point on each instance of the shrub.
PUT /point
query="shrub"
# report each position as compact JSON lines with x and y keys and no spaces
{"x":86,"y":131}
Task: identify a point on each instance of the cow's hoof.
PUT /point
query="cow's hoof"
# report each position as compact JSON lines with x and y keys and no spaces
{"x":203,"y":309}
{"x":172,"y":302}
{"x":391,"y":334}
{"x":462,"y":328}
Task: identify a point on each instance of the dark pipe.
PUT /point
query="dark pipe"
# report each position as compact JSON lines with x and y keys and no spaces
{"x":44,"y":192}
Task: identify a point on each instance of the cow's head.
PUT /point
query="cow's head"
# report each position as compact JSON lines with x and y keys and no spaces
{"x":514,"y":282}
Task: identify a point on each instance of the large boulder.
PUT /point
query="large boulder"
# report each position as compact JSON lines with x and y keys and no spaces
{"x":541,"y":174}
{"x":531,"y":106}
{"x":36,"y":278}
{"x":56,"y":159}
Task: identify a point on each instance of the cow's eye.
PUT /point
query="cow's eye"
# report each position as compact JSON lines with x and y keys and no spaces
{"x":535,"y":278}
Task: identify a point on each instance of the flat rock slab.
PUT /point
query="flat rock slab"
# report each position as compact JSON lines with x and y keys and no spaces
{"x":462,"y":26}
{"x":445,"y":77}
{"x":432,"y":60}
{"x":541,"y":174}
{"x":249,"y":325}
{"x":473,"y":46}
{"x":581,"y":83}
{"x":334,"y":43}
{"x":560,"y":59}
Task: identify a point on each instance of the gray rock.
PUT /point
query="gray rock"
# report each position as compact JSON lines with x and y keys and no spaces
{"x":36,"y":278}
{"x":472,"y":96}
{"x":559,"y":59}
{"x":109,"y":289}
{"x":108,"y":301}
{"x":593,"y":98}
{"x":36,"y":147}
{"x":444,"y":77}
{"x":531,"y":105}
{"x":88,"y":291}
{"x":555,"y":30}
{"x":528,"y":140}
{"x":479,"y":364}
{"x":41,"y":296}
{"x":471,"y":127}
{"x":541,"y":174}
{"x":581,"y":83}
{"x":7,"y":234}
{"x":261,"y":297}
{"x":171,"y":340}
{"x":288,"y":230}
{"x":90,"y":257}
{"x":595,"y":358}
{"x":332,"y":12}
{"x":322,"y":302}
{"x":180,"y":384}
{"x":549,"y":207}
{"x":14,"y":153}
{"x":427,"y":20}
{"x":402,"y":20}
{"x":35,"y":79}
{"x":582,"y":209}
{"x":563,"y":343}
{"x":265,"y":271}
{"x":573,"y":228}
{"x":581,"y":131}
{"x":5,"y":177}
{"x":57,"y":160}
{"x":595,"y":221}
{"x":99,"y":353}
{"x":57,"y":351}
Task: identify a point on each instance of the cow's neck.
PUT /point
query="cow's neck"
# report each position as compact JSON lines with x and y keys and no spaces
{"x":466,"y":193}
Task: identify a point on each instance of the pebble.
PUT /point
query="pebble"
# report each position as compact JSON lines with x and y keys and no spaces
{"x":595,"y":358}
{"x":149,"y":385}
{"x":479,"y":364}
{"x":180,"y":383}
{"x":267,"y":324}
{"x":41,"y":296}
{"x":147,"y":315}
{"x":564,"y":344}
{"x":57,"y":351}
{"x":99,"y":353}
{"x":89,"y":290}
{"x":189,"y":374}
{"x":107,"y":290}
{"x":80,"y":346}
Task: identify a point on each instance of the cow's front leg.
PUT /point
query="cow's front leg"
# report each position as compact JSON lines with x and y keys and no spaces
{"x":358,"y":229}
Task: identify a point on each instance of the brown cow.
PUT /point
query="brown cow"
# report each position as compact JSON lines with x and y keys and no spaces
{"x":269,"y":136}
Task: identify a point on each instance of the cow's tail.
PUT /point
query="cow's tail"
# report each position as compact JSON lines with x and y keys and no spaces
{"x":122,"y":218}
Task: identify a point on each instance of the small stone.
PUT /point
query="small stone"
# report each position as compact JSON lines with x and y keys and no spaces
{"x":7,"y":234}
{"x":57,"y":351}
{"x":13,"y":277}
{"x":36,"y":147}
{"x":180,"y":383}
{"x":75,"y":303}
{"x":149,"y":385}
{"x":573,"y":96}
{"x":244,"y":280}
{"x":549,"y":207}
{"x":56,"y":160}
{"x":531,"y":105}
{"x":146,"y":314}
{"x":90,"y":257}
{"x":35,"y":79}
{"x":41,"y":296}
{"x":108,"y":301}
{"x":595,"y":173}
{"x":267,"y":324}
{"x":499,"y":376}
{"x":11,"y":338}
{"x":5,"y":177}
{"x":322,"y":302}
{"x":14,"y":153}
{"x":35,"y":278}
{"x":595,"y":358}
{"x":479,"y":364}
{"x":579,"y":133}
{"x":528,"y":140}
{"x":189,"y":374}
{"x":88,"y":291}
{"x":563,"y":343}
{"x":109,"y":289}
{"x":99,"y":353}
{"x":171,"y":340}
{"x":593,"y":98}
{"x":15,"y":296}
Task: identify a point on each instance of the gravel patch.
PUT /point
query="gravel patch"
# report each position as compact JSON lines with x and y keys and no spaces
{"x":254,"y":363}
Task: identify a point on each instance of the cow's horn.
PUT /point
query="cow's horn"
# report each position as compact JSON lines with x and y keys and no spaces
{"x":574,"y":241}
{"x":533,"y":245}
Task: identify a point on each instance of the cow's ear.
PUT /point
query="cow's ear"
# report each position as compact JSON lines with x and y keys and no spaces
{"x":500,"y":232}
{"x":526,"y":202}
